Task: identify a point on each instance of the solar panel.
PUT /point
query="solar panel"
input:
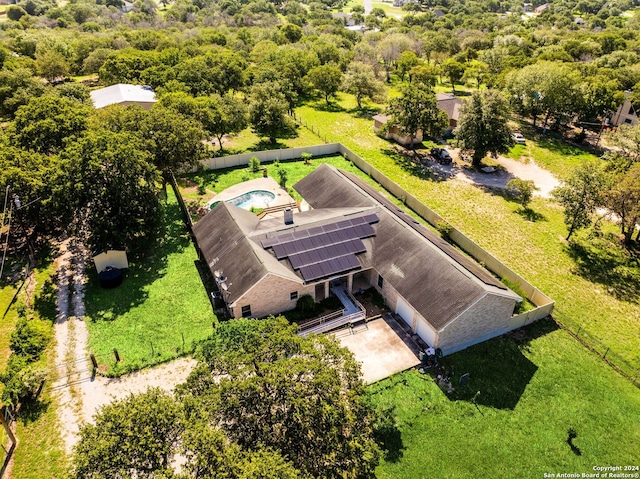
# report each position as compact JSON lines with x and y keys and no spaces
{"x":329,"y":267}
{"x":307,"y":258}
{"x":326,"y":250}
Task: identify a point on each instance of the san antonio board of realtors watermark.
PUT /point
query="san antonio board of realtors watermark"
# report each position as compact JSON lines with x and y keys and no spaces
{"x":608,"y":472}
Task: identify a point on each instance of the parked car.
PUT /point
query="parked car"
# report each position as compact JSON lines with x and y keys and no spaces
{"x":441,"y":155}
{"x":519,"y":138}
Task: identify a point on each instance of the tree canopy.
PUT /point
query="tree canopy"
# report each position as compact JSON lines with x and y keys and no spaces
{"x":262,"y":403}
{"x":483,"y":125}
{"x":417,"y":110}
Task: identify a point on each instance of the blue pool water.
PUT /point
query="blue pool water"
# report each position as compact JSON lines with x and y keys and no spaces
{"x":256,"y":199}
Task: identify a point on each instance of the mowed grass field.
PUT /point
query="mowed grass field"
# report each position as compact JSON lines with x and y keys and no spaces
{"x":160,"y":309}
{"x":595,"y":283}
{"x":512,"y":419}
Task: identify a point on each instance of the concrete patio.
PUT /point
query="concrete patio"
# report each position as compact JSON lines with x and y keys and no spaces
{"x":381,"y":346}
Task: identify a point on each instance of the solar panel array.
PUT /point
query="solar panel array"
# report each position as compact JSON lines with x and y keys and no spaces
{"x":324,"y":250}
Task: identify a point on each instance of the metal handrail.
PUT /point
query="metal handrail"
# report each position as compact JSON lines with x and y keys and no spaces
{"x":321,"y":328}
{"x":355,"y":301}
{"x":312,"y":323}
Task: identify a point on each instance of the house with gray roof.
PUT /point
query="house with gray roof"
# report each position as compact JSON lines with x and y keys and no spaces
{"x":452,"y":105}
{"x":124,"y":94}
{"x":353,"y":235}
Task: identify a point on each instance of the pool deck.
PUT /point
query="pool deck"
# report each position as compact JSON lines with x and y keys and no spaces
{"x":265,"y":184}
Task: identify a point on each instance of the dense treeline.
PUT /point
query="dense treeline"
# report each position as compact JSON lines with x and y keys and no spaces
{"x":220,"y":66}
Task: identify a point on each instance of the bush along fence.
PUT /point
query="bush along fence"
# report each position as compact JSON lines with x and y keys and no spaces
{"x":544,"y":306}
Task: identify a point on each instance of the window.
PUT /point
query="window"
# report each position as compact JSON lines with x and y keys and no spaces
{"x":294,"y":296}
{"x":380,"y":281}
{"x":632,"y":110}
{"x":246,"y":311}
{"x":628,"y":121}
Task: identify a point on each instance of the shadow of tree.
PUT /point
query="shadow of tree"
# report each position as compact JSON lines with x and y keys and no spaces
{"x":31,"y":410}
{"x":330,"y":108}
{"x":531,"y":215}
{"x":108,"y":304}
{"x":415,"y":164}
{"x":602,"y":260}
{"x":45,"y":302}
{"x":388,"y":436}
{"x":365,"y":113}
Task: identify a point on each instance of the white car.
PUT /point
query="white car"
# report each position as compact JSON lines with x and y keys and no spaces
{"x":519,"y":138}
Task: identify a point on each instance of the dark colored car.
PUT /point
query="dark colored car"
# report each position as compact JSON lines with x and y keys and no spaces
{"x":441,"y":155}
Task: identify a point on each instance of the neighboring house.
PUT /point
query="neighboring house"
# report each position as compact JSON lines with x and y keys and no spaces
{"x":346,"y":18}
{"x":393,"y":132}
{"x":579,"y":21}
{"x":8,"y":2}
{"x":446,"y":102}
{"x":625,"y":114}
{"x":451,"y":104}
{"x":126,"y":6}
{"x":123,"y":94}
{"x":541,"y":8}
{"x":438,"y":13}
{"x":355,"y":236}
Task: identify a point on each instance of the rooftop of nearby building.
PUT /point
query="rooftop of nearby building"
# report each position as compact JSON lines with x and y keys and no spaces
{"x":122,"y":93}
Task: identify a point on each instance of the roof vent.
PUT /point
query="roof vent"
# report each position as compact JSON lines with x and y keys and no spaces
{"x":288,"y":216}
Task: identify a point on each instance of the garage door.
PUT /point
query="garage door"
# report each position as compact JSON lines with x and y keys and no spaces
{"x":427,"y":334}
{"x":405,"y":311}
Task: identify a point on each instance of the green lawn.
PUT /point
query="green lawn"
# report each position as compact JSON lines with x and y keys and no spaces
{"x":559,"y":157}
{"x":512,"y":418}
{"x":248,"y":141}
{"x":595,"y":283}
{"x":7,"y":322}
{"x":160,"y":304}
{"x":40,"y":453}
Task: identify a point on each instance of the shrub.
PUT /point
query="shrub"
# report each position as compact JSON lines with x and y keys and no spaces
{"x":306,"y":157}
{"x":22,"y":383}
{"x":520,"y":190}
{"x":254,"y":164}
{"x":282,"y":176}
{"x":444,"y":229}
{"x":306,"y":303}
{"x":30,"y":338}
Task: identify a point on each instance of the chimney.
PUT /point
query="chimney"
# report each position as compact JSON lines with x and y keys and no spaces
{"x":288,"y":216}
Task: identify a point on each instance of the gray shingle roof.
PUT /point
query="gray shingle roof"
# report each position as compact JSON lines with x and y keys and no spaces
{"x":439,"y":281}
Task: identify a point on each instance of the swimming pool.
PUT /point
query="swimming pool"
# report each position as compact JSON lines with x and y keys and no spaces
{"x":255,"y":199}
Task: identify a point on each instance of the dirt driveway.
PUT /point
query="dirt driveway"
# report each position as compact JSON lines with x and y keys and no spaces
{"x":543,"y":179}
{"x":79,"y":392}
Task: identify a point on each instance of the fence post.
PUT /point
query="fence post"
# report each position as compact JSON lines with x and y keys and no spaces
{"x":605,"y":354}
{"x":182,"y":334}
{"x":8,"y":430}
{"x":115,"y":353}
{"x":93,"y":361}
{"x":153,"y":353}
